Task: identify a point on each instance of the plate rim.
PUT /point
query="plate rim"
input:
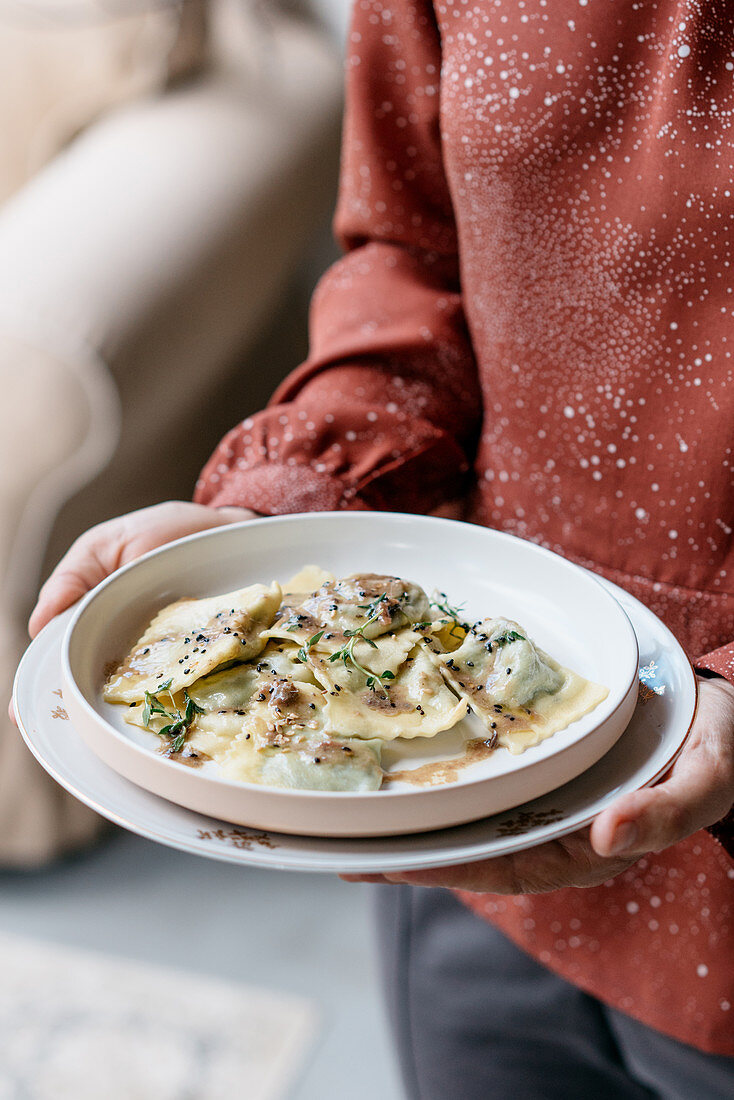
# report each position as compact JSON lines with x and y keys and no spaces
{"x":350,"y":861}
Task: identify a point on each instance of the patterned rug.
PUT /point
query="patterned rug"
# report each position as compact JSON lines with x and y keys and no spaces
{"x":80,"y":1026}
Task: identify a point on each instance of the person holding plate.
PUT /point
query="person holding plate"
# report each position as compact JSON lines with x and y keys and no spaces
{"x":532,"y":328}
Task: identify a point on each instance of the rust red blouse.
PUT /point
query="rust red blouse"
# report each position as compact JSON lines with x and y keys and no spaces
{"x":536,"y":312}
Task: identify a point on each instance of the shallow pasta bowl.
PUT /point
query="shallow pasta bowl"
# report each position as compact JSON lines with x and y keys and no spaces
{"x":565,"y":610}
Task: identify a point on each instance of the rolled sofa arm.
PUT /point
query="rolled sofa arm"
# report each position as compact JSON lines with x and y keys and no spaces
{"x":180,"y":213}
{"x":133,"y":270}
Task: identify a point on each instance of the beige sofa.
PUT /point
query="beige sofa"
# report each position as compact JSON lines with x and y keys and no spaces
{"x":142,"y":266}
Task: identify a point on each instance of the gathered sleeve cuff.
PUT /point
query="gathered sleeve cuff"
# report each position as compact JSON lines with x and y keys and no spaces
{"x":381,"y":463}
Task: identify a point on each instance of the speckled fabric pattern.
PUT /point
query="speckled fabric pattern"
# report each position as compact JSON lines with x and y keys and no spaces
{"x":656,"y":942}
{"x":535,"y":312}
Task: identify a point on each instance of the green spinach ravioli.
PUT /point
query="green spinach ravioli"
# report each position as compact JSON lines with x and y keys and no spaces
{"x":300,"y":687}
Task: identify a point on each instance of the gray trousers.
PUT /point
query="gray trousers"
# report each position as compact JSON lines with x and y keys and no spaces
{"x":475,"y":1018}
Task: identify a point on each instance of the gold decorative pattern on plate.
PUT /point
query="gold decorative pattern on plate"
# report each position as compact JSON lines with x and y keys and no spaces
{"x":237,"y":838}
{"x":647,"y":690}
{"x":527,"y":820}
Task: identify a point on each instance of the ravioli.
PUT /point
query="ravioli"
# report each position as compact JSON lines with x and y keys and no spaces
{"x":190,"y":638}
{"x":550,"y":714}
{"x":266,"y":724}
{"x":326,"y":763}
{"x":520,"y":693}
{"x":250,"y":698}
{"x":497,"y":657}
{"x":354,"y":603}
{"x":301,"y":688}
{"x":231,"y":689}
{"x":417,"y":703}
{"x":305,"y":581}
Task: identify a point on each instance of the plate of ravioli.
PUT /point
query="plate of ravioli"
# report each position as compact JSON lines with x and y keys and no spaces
{"x":350,"y":674}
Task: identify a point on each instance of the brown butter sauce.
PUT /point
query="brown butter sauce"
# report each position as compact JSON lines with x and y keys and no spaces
{"x":191,"y":758}
{"x":443,"y":771}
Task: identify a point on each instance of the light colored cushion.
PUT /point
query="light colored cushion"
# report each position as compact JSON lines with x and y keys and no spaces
{"x":135,"y":267}
{"x":64,"y":64}
{"x":62,"y":427}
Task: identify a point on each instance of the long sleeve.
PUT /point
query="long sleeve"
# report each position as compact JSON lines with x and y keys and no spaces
{"x":385,"y":412}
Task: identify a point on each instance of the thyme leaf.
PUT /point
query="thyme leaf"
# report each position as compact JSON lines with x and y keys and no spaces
{"x":302,"y":654}
{"x":453,"y":614}
{"x":178,"y":724}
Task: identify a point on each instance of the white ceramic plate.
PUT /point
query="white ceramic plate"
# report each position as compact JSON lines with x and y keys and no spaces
{"x":644,"y":752}
{"x":564,"y":608}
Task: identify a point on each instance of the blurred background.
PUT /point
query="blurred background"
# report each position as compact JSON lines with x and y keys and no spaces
{"x":167,"y":177}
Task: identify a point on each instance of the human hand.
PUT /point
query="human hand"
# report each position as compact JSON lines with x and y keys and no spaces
{"x":696,"y":792}
{"x":106,"y":547}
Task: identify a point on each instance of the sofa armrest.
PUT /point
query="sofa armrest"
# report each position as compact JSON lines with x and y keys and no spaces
{"x":181,"y":212}
{"x":133,"y":269}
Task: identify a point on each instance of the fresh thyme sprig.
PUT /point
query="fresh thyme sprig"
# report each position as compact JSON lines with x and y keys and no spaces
{"x":346,"y":653}
{"x":452,"y":613}
{"x":178,"y":724}
{"x":153,"y":704}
